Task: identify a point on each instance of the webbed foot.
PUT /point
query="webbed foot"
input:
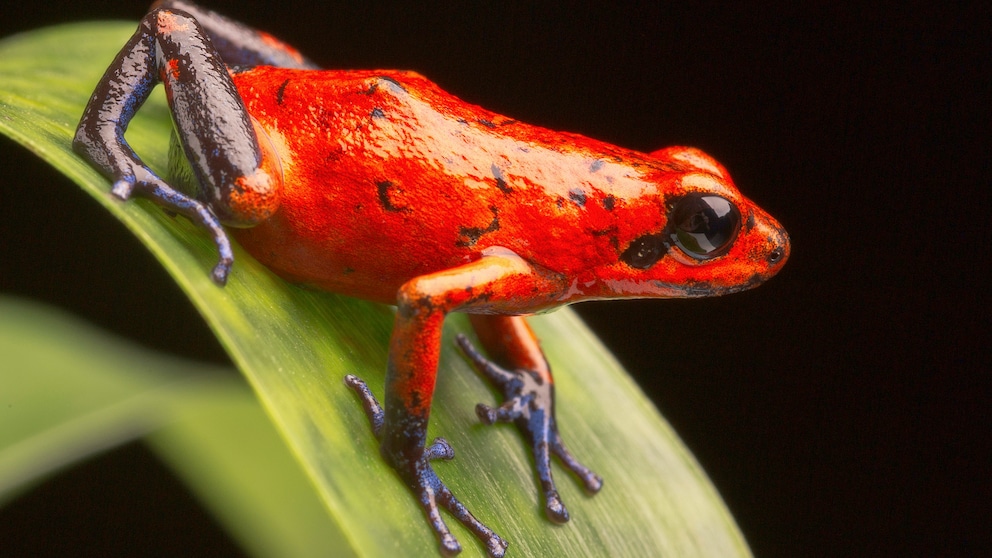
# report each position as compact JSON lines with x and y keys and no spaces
{"x":529,"y":404}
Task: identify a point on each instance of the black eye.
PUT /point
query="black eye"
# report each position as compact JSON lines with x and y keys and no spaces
{"x":703,"y":226}
{"x":643,"y":252}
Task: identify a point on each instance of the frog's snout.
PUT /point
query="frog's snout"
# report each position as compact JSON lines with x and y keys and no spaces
{"x":777,"y":245}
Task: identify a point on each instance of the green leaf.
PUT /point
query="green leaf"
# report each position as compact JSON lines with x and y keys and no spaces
{"x":294,"y":346}
{"x":69,"y":391}
{"x":228,"y":451}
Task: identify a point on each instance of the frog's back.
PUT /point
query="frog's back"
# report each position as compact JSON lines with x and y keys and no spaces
{"x":387,"y":177}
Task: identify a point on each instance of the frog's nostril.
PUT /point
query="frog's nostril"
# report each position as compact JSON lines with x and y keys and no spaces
{"x":779,"y":249}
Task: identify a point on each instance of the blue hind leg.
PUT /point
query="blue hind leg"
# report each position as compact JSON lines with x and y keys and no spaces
{"x":217,"y":134}
{"x":238,"y":44}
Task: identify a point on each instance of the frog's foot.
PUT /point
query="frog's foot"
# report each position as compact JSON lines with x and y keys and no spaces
{"x":174,"y":201}
{"x":143,"y":182}
{"x":530,"y":405}
{"x":421,"y":479}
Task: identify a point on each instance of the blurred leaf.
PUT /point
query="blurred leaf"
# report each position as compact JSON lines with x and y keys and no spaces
{"x":295,"y":345}
{"x":227,"y":450}
{"x":68,"y":391}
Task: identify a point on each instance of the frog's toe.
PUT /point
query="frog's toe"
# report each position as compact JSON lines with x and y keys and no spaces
{"x":592,"y":482}
{"x":221,"y":271}
{"x":496,"y":546}
{"x":502,"y":378}
{"x":123,"y":188}
{"x":555,"y":509}
{"x":449,"y":545}
{"x":373,"y":410}
{"x":507,"y":412}
{"x":440,"y":449}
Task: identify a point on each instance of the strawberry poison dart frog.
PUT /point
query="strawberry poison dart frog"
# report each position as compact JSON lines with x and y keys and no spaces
{"x":379,"y":185}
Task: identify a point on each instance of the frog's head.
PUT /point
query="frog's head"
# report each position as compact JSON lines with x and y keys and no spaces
{"x":710,"y":239}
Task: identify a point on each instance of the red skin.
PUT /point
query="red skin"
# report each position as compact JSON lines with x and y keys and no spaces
{"x":335,"y":231}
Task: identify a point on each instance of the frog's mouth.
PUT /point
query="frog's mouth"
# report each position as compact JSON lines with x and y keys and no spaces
{"x":699,"y":289}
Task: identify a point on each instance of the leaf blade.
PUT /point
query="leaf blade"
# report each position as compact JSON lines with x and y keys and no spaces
{"x":294,"y":345}
{"x":69,"y":392}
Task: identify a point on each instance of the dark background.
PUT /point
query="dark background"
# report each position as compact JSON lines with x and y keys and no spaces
{"x":841,"y":409}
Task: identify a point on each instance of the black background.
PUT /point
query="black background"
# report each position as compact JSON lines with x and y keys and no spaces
{"x":840,"y":409}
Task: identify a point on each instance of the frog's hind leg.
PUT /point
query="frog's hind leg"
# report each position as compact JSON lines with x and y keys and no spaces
{"x":528,"y":388}
{"x":237,"y":43}
{"x":217,"y":134}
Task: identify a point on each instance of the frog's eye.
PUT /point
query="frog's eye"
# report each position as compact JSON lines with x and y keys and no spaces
{"x":645,"y":251}
{"x":703,"y":226}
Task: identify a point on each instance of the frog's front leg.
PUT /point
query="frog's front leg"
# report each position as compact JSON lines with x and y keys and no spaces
{"x":238,"y":180}
{"x":414,"y":349}
{"x":528,"y":388}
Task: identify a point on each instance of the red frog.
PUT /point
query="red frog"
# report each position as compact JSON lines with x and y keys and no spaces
{"x":379,"y":185}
